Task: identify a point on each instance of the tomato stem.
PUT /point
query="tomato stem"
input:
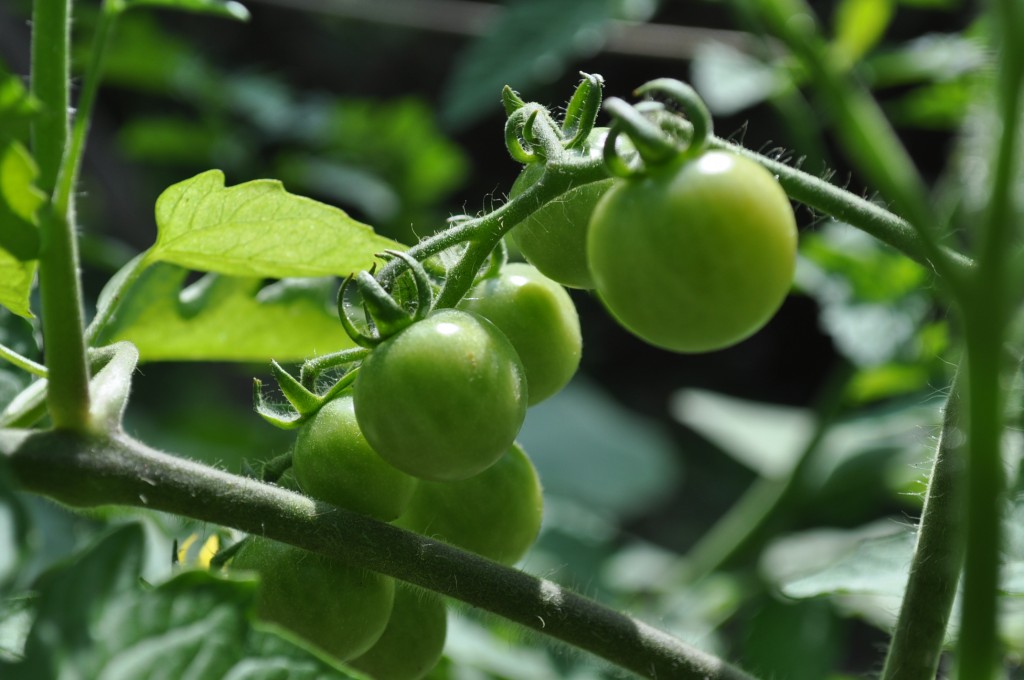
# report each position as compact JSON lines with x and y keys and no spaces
{"x":123,"y":471}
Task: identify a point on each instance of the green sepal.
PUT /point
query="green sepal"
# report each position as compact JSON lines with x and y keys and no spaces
{"x":387,"y":315}
{"x":581,"y":113}
{"x":284,"y":420}
{"x":109,"y":388}
{"x":511,"y":100}
{"x":304,"y":401}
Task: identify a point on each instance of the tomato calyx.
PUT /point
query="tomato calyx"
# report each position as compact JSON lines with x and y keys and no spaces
{"x":654,"y":130}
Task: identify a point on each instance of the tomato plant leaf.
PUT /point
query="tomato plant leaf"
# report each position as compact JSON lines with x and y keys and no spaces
{"x":16,"y":279}
{"x":576,"y":439}
{"x":228,"y":9}
{"x":258,"y":229}
{"x":221,"y":318}
{"x":96,"y":620}
{"x":19,"y":201}
{"x":860,"y":24}
{"x":730,"y":80}
{"x":17,"y":107}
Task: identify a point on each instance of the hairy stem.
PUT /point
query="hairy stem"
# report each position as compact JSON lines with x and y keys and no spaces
{"x":59,"y":287}
{"x":22,"y":362}
{"x":938,"y":558}
{"x":82,"y":471}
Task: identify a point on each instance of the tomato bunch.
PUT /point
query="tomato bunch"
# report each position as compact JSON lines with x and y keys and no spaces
{"x":694,"y":253}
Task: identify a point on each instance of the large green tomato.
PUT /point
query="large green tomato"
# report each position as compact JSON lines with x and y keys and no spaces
{"x":539,"y":318}
{"x":413,"y":641}
{"x":444,"y":398}
{"x":696,"y":256}
{"x":554,"y":237}
{"x":333,"y":461}
{"x":496,"y":514}
{"x":341,"y":609}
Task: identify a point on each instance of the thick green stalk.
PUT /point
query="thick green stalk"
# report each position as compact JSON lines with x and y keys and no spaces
{"x":59,"y":287}
{"x":83,"y":471}
{"x":938,"y":558}
{"x":986,"y":316}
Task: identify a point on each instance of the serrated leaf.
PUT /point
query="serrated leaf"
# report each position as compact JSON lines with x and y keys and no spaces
{"x":222,"y":318}
{"x":531,"y":42}
{"x":859,"y":25}
{"x":229,"y":9}
{"x":258,"y":229}
{"x":95,"y":620}
{"x":19,"y":201}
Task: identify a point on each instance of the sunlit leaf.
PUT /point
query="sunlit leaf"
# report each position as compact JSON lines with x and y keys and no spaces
{"x":19,"y":201}
{"x":221,"y":318}
{"x":16,"y":279}
{"x":229,"y":9}
{"x":258,"y":229}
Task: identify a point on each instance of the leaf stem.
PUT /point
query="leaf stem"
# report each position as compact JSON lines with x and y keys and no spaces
{"x":83,"y":471}
{"x":22,"y":362}
{"x":920,"y":631}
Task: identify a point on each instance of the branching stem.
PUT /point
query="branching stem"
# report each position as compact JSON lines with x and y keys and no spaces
{"x":82,"y":471}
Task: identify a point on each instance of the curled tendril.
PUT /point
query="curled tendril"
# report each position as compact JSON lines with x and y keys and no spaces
{"x":692,"y":105}
{"x":424,"y":288}
{"x":651,"y":142}
{"x":359,"y":337}
{"x":532,"y":124}
{"x":514,"y":136}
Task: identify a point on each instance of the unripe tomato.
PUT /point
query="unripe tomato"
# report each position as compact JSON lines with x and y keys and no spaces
{"x":341,"y":609}
{"x":554,"y":238}
{"x":696,"y":256}
{"x":444,"y":398}
{"x":333,"y":461}
{"x":413,"y":642}
{"x":496,"y":514}
{"x":539,"y":318}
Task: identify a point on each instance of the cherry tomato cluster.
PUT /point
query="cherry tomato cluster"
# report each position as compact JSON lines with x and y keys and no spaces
{"x":694,"y":253}
{"x":425,"y":438}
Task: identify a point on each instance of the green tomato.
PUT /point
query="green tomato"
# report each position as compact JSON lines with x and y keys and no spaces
{"x":539,"y":318}
{"x":341,"y":609}
{"x":444,"y":398}
{"x":496,"y":514}
{"x":696,"y":256}
{"x":413,"y":641}
{"x":554,"y":238}
{"x":333,"y":461}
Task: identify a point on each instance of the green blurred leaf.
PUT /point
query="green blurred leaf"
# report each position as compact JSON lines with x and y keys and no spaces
{"x":95,"y":620}
{"x":872,"y":566}
{"x":935,"y":57}
{"x":16,"y":278}
{"x":17,"y":108}
{"x":171,"y":140}
{"x":589,"y":448}
{"x":941,"y":106}
{"x":532,"y":42}
{"x":766,"y":438}
{"x":730,"y":80}
{"x":221,"y":318}
{"x":792,"y":640}
{"x":258,"y":229}
{"x":19,"y":201}
{"x":228,"y":9}
{"x":13,"y":527}
{"x":859,"y":25}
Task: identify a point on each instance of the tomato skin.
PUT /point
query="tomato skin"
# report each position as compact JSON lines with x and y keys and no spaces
{"x":333,"y":462}
{"x":538,"y":317}
{"x":341,"y":609}
{"x":554,"y":238}
{"x":496,"y":514}
{"x":696,"y":256}
{"x":444,"y":398}
{"x":413,"y":642}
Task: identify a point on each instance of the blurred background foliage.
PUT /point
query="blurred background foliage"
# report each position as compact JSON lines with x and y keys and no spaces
{"x":753,"y":501}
